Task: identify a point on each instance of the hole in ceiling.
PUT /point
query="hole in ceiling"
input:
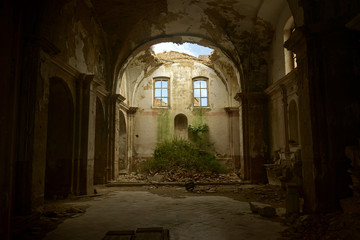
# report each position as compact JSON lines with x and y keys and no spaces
{"x":192,"y":49}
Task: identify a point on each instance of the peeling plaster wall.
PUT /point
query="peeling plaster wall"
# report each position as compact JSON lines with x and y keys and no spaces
{"x":276,"y":124}
{"x":180,"y":76}
{"x":75,"y":31}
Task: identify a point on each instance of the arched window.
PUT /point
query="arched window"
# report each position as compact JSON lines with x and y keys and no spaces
{"x":161,"y":92}
{"x":200,"y":86}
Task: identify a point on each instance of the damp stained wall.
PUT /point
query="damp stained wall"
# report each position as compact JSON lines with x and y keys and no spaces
{"x":180,"y":74}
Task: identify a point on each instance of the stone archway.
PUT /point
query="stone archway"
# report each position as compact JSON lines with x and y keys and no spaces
{"x":59,"y":154}
{"x":100,"y":145}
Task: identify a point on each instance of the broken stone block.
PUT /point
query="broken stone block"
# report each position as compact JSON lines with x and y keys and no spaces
{"x":265,"y":210}
{"x":280,"y":212}
{"x":156,"y":178}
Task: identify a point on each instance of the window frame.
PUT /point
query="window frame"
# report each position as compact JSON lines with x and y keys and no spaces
{"x":207,"y":92}
{"x":161,"y":79}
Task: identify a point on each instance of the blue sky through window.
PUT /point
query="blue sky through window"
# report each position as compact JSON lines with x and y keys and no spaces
{"x":188,"y":48}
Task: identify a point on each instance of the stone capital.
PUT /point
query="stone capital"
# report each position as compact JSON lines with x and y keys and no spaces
{"x":231,"y":109}
{"x":132,"y":110}
{"x":251,"y":97}
{"x":297,"y":43}
{"x":87,"y":79}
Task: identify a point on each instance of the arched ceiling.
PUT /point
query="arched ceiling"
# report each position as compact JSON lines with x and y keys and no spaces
{"x":240,"y":28}
{"x":145,"y":62}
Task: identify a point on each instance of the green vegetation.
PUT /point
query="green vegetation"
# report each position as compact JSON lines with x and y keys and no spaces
{"x":181,"y":154}
{"x":199,"y":135}
{"x":163,"y":126}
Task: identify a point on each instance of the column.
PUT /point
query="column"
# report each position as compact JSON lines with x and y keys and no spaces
{"x":286,"y":119}
{"x":85,"y":135}
{"x":131,"y":123}
{"x":253,"y":135}
{"x":114,"y":126}
{"x":234,"y":140}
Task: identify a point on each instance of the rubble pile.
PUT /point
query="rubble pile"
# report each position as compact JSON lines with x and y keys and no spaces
{"x":182,"y":176}
{"x":340,"y":225}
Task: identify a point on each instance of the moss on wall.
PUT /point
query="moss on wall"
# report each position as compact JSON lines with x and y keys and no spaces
{"x":199,"y":116}
{"x":164,"y":126}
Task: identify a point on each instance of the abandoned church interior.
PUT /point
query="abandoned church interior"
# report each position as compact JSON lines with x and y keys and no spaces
{"x":85,"y":98}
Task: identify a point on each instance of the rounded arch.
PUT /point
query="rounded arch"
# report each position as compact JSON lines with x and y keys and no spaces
{"x":226,"y":53}
{"x":59,"y":151}
{"x":181,"y":126}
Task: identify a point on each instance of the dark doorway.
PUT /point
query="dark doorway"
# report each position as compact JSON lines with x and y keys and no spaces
{"x":59,"y":155}
{"x":100,"y":145}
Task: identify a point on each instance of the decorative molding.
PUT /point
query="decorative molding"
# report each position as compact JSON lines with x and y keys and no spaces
{"x":72,"y":72}
{"x":48,"y":47}
{"x":120,"y":98}
{"x":124,"y":107}
{"x":132,"y":110}
{"x":251,"y":97}
{"x":87,"y":78}
{"x":297,"y":43}
{"x":289,"y":80}
{"x":231,"y":109}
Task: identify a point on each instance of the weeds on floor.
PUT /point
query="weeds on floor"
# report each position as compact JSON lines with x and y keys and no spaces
{"x":179,"y":153}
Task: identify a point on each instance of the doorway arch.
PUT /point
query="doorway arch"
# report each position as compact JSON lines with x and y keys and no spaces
{"x":100,"y":145}
{"x":59,"y":154}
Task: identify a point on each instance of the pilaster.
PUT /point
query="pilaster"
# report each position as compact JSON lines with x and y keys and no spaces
{"x":253,"y":135}
{"x":85,"y":134}
{"x":234,"y":140}
{"x":131,"y":123}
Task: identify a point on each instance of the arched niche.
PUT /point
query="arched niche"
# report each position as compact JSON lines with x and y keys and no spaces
{"x":100,"y":145}
{"x":59,"y":154}
{"x":181,"y":126}
{"x":122,"y":143}
{"x":293,"y":123}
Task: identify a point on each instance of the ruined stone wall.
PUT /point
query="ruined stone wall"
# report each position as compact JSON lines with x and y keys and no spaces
{"x":155,"y":124}
{"x":66,"y":44}
{"x":75,"y":31}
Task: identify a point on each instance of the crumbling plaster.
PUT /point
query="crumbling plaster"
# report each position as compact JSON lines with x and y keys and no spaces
{"x":145,"y":63}
{"x":78,"y":35}
{"x":180,"y":69}
{"x":241,"y":29}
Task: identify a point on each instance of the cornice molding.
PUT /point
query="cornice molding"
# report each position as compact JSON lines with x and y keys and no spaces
{"x":48,"y":47}
{"x":231,"y":109}
{"x":287,"y":81}
{"x":252,"y":97}
{"x":132,"y":110}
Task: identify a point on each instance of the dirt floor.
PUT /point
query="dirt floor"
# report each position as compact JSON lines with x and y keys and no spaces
{"x":336,"y":225}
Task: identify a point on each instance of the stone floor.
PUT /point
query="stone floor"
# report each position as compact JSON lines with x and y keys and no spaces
{"x":187,"y":217}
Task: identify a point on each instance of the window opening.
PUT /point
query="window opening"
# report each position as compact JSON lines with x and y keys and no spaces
{"x":200,"y":93}
{"x":161,"y":93}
